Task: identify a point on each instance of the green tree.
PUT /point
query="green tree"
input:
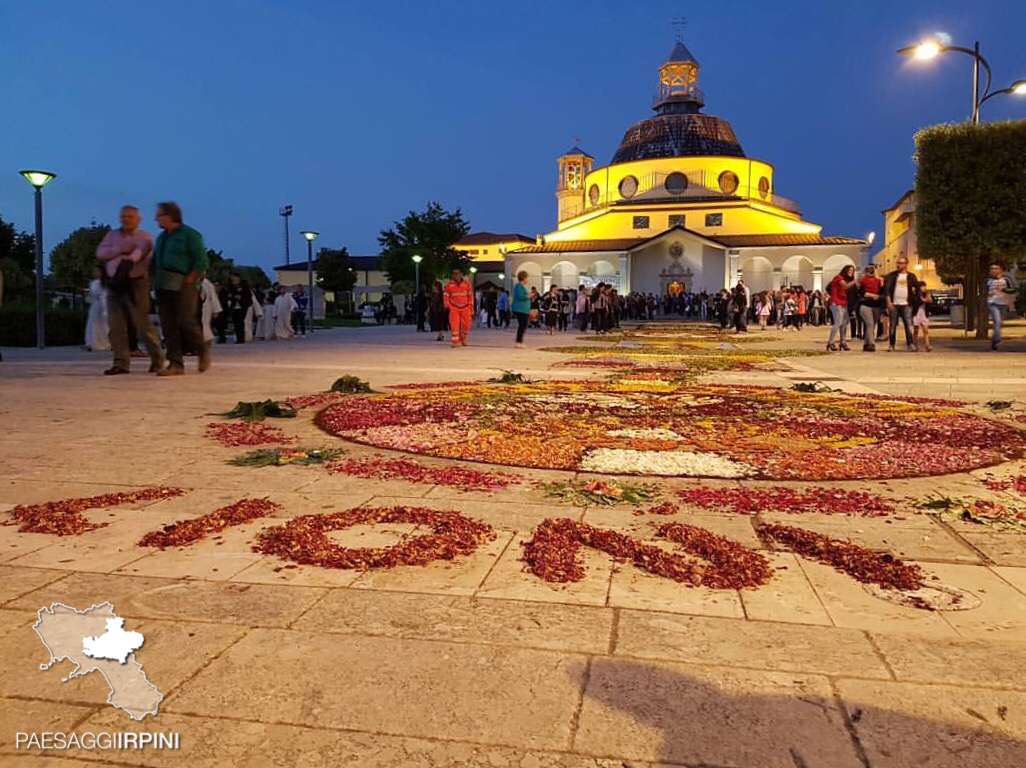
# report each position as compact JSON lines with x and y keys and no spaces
{"x":335,"y":271}
{"x":430,"y":234}
{"x":220,"y":270}
{"x":72,"y":261}
{"x":17,"y":262}
{"x":971,"y":204}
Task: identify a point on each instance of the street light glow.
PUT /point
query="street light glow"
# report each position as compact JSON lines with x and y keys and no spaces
{"x":1019,"y":88}
{"x":473,"y":270}
{"x":926,"y":50}
{"x":870,"y":238}
{"x":417,"y":258}
{"x":38,"y":179}
{"x":309,"y":235}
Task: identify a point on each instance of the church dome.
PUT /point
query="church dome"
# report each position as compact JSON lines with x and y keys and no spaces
{"x":679,"y":129}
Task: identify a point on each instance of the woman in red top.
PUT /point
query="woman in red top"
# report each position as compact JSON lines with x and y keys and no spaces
{"x":870,"y":306}
{"x":839,"y":307}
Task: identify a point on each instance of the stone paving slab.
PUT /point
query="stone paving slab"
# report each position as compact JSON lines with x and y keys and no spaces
{"x":683,"y":713}
{"x":904,"y":724}
{"x":751,"y":644}
{"x":252,"y":605}
{"x":577,"y":629}
{"x":482,"y":694}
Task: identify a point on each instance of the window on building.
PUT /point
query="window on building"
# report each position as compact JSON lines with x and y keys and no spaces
{"x":473,"y":251}
{"x":714,"y":219}
{"x":485,"y":252}
{"x":676,"y":220}
{"x":641,"y":222}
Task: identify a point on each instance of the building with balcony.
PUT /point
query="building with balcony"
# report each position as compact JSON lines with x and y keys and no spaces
{"x":679,"y":208}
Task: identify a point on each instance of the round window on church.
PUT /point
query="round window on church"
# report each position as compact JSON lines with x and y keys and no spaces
{"x":676,"y":183}
{"x":764,"y":187}
{"x":728,"y":182}
{"x":628,"y":186}
{"x":593,"y":194}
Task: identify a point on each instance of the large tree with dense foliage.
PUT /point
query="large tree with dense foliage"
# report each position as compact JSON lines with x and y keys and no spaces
{"x":17,"y":262}
{"x":430,"y":234}
{"x":73,"y":260}
{"x":219,"y":270}
{"x":335,"y":270}
{"x":971,"y":204}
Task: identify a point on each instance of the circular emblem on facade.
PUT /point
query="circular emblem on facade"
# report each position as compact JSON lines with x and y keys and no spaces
{"x":764,"y":187}
{"x":728,"y":182}
{"x":676,"y":183}
{"x":676,"y":250}
{"x":628,"y":186}
{"x":594,"y":194}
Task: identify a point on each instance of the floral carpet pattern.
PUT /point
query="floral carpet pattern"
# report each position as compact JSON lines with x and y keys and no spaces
{"x":666,"y":428}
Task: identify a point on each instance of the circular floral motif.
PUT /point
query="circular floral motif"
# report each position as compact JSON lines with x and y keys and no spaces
{"x":594,"y":194}
{"x":678,"y":430}
{"x":764,"y":187}
{"x":305,"y":540}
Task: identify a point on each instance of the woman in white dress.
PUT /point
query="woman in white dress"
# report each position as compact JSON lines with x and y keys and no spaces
{"x":255,"y":313}
{"x":211,"y":308}
{"x":269,"y":299}
{"x":284,"y":306}
{"x":97,"y":333}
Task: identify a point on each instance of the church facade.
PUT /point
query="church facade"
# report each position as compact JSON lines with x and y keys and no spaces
{"x":679,"y":208}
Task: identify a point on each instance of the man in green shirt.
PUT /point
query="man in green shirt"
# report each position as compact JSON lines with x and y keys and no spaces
{"x":180,"y":262}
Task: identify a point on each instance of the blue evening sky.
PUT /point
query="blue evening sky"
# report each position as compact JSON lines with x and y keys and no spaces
{"x":356,"y":112}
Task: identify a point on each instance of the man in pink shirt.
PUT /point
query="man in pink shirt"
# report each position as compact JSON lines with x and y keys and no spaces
{"x":126,"y":254}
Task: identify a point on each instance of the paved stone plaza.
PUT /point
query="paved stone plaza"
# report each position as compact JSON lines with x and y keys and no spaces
{"x":476,"y":662}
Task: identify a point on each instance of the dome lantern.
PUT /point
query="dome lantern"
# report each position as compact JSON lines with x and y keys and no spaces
{"x":678,"y":82}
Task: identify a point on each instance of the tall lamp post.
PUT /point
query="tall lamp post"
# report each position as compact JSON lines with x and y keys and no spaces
{"x":285,"y":212}
{"x":417,"y":258}
{"x":310,"y":235}
{"x":39,"y":179}
{"x":930,"y":49}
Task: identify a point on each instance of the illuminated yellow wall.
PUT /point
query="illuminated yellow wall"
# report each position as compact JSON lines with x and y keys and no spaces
{"x":740,"y":218}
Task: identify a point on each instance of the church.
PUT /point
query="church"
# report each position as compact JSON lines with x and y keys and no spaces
{"x":680,"y":208}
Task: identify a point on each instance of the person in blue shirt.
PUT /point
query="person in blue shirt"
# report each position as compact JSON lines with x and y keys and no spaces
{"x":521,"y":305}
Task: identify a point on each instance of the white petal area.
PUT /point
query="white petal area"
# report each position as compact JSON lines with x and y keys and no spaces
{"x":647,"y":434}
{"x":672,"y":463}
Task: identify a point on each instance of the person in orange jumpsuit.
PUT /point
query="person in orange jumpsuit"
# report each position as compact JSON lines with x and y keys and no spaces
{"x":459,"y":300}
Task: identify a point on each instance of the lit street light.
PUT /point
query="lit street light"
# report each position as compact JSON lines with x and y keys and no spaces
{"x":310,"y":235}
{"x":473,"y":277}
{"x":930,"y":49}
{"x":417,"y":258}
{"x":39,"y":179}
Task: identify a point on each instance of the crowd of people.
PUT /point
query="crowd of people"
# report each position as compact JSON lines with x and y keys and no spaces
{"x":134,"y":273}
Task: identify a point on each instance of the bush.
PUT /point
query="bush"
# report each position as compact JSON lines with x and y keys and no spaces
{"x":64,"y":327}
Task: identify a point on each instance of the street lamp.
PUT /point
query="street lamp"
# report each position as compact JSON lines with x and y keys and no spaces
{"x":39,"y":179}
{"x":930,"y":49}
{"x":285,"y":212}
{"x":310,"y":235}
{"x":417,"y":258}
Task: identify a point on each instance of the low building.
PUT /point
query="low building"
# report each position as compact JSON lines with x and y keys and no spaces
{"x":371,"y":282}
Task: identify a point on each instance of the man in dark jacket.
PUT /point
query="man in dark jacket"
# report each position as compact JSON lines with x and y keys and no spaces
{"x":901,"y":292}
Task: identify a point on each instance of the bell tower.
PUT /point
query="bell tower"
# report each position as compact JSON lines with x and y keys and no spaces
{"x":678,"y":82}
{"x":573,"y":167}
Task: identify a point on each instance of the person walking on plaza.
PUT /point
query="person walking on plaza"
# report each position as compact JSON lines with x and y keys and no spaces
{"x":284,"y":307}
{"x":839,"y":308}
{"x":583,"y":307}
{"x":459,"y":300}
{"x":180,"y":262}
{"x":921,"y":320}
{"x":1001,"y":290}
{"x":211,"y":311}
{"x":420,"y":308}
{"x":502,"y":307}
{"x":521,"y":306}
{"x":901,"y":290}
{"x":436,"y":310}
{"x":239,"y":299}
{"x":550,"y":309}
{"x":870,"y":306}
{"x":97,"y":331}
{"x":127,"y":254}
{"x":301,"y":311}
